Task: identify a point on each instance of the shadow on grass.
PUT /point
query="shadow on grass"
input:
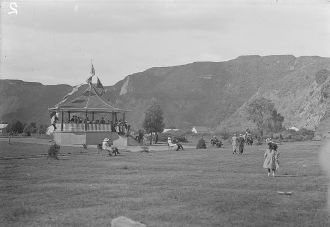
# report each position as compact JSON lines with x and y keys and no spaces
{"x":113,"y":156}
{"x":20,"y":212}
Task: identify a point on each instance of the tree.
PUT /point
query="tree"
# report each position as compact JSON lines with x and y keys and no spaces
{"x":262,"y":112}
{"x":153,"y":121}
{"x":42,"y":129}
{"x":33,"y":127}
{"x":27,"y":130}
{"x":30,"y":128}
{"x":15,"y":126}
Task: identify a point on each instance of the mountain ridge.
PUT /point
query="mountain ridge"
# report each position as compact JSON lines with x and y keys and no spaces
{"x":213,"y":93}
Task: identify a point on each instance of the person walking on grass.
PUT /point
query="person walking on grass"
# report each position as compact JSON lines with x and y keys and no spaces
{"x":241,"y":142}
{"x":107,"y":145}
{"x":271,"y":156}
{"x":234,"y":142}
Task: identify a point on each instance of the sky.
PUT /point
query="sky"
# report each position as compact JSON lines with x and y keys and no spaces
{"x":54,"y":42}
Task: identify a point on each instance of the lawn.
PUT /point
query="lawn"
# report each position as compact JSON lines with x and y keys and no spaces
{"x":161,"y":188}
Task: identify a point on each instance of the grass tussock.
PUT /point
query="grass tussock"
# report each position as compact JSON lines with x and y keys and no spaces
{"x":53,"y":151}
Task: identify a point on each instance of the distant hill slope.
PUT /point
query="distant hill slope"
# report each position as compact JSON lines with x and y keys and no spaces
{"x":301,"y":96}
{"x":28,"y":101}
{"x":213,"y":93}
{"x":210,"y":94}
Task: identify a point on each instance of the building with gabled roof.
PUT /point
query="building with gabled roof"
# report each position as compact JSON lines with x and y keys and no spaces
{"x":2,"y":127}
{"x":85,"y":117}
{"x":89,"y":100}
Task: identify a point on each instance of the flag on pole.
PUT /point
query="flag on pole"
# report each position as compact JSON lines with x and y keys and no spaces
{"x":74,"y":89}
{"x":89,"y":80}
{"x":93,"y":70}
{"x":99,"y":85}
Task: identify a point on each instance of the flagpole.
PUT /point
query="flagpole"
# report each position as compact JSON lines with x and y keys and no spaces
{"x":91,"y":61}
{"x":90,"y":79}
{"x":90,"y":87}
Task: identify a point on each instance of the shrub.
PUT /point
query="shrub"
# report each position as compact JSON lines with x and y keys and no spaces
{"x":308,"y":137}
{"x":321,"y":76}
{"x":276,"y":136}
{"x":258,"y":140}
{"x":292,"y":135}
{"x":177,"y":136}
{"x":53,"y":151}
{"x":306,"y":132}
{"x":162,"y":137}
{"x":180,"y":138}
{"x":201,"y":144}
{"x":27,"y":130}
{"x":43,"y":129}
{"x":297,"y":137}
{"x":15,"y":126}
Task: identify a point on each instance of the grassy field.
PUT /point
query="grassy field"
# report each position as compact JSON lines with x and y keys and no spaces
{"x":178,"y":188}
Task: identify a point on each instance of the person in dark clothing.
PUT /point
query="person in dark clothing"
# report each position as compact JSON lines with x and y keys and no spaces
{"x":141,"y":134}
{"x":156,"y":138}
{"x":241,"y":142}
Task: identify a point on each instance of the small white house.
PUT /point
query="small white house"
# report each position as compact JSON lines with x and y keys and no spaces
{"x":200,"y":129}
{"x":2,"y":128}
{"x":170,"y":129}
{"x":294,"y":128}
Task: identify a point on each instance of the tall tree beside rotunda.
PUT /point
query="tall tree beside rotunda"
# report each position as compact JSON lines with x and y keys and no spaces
{"x":263,"y":113}
{"x":154,"y":120}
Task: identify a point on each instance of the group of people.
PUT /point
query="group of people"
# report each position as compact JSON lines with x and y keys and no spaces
{"x":238,"y":143}
{"x":77,"y":120}
{"x":122,"y":127}
{"x":108,"y":146}
{"x":216,"y":142}
{"x":174,"y":145}
{"x":145,"y":138}
{"x":271,"y":156}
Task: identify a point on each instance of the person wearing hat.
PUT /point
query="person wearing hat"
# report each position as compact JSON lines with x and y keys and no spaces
{"x":173,"y":146}
{"x":241,"y":142}
{"x":271,"y":156}
{"x":169,"y":141}
{"x":106,"y":146}
{"x":111,"y":149}
{"x":234,"y":143}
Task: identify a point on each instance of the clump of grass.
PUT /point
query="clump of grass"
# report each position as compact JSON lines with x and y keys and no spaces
{"x":53,"y":151}
{"x":201,"y":144}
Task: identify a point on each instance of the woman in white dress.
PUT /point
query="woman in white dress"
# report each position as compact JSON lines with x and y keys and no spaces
{"x":271,"y":156}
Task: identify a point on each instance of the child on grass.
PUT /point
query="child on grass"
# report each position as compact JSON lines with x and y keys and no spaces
{"x":271,"y":156}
